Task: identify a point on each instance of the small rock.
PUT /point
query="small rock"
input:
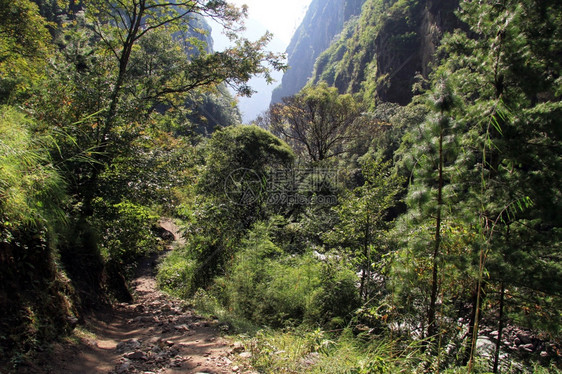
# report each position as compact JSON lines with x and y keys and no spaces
{"x":72,"y":321}
{"x":245,"y":355}
{"x":123,"y":367}
{"x":235,"y":368}
{"x":138,"y":355}
{"x":527,"y":347}
{"x":154,"y":340}
{"x":524,"y":338}
{"x":544,"y":354}
{"x":237,"y":347}
{"x":144,"y":319}
{"x":183,"y":327}
{"x":129,"y":345}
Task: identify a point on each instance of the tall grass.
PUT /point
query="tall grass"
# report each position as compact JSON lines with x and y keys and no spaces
{"x":316,"y":351}
{"x":31,"y":189}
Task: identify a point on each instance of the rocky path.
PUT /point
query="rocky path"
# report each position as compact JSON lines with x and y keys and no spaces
{"x":155,"y":334}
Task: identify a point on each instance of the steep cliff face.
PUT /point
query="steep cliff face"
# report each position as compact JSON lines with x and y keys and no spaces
{"x":379,"y":53}
{"x":324,"y":20}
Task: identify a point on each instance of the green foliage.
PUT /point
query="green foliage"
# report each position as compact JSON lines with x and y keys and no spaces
{"x":109,"y":139}
{"x":504,"y":80}
{"x":317,"y":123}
{"x":232,"y":195}
{"x":306,"y":351}
{"x":241,"y":147}
{"x":212,"y":109}
{"x":363,"y":223}
{"x":267,"y":286}
{"x":151,"y":168}
{"x":125,"y":232}
{"x":175,"y":274}
{"x":31,"y":188}
{"x":24,"y":47}
{"x":35,"y":295}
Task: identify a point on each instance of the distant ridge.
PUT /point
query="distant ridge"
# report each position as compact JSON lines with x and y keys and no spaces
{"x":324,"y":20}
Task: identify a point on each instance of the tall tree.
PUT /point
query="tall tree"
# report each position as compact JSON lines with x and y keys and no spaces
{"x":123,"y":60}
{"x":233,"y":185}
{"x":317,"y":122}
{"x":431,"y":193}
{"x":363,"y":219}
{"x":506,"y":72}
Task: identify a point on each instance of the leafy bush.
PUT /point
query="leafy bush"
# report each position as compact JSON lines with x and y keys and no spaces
{"x":270,"y":287}
{"x":126,"y":231}
{"x":175,"y":274}
{"x":36,"y":297}
{"x":336,"y":301}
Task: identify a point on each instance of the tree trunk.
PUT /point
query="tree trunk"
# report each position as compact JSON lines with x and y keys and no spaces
{"x":432,"y":323}
{"x":500,"y":330}
{"x":477,"y":298}
{"x":471,"y":322}
{"x":102,"y":158}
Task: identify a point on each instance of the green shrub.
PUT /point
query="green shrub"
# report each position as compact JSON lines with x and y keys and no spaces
{"x":270,"y":287}
{"x":336,"y":301}
{"x":175,"y":274}
{"x":126,"y":232}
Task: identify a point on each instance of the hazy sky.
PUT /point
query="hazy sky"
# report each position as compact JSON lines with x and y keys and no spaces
{"x":281,"y":17}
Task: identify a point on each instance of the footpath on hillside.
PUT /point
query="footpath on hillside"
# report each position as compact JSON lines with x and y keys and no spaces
{"x":154,"y":334}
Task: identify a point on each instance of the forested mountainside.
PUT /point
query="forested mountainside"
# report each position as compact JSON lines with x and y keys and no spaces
{"x":378,"y":53}
{"x":323,"y":21}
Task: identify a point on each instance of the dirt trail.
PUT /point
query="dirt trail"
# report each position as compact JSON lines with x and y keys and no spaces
{"x":155,"y":334}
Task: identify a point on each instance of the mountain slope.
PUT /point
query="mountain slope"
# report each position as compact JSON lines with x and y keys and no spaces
{"x":378,"y":52}
{"x":323,"y":21}
{"x":381,"y":53}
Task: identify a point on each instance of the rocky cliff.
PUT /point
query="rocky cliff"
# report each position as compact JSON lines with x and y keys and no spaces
{"x":386,"y":47}
{"x":324,"y":20}
{"x":377,"y":53}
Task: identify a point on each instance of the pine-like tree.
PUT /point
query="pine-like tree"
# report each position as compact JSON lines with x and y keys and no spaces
{"x":506,"y":71}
